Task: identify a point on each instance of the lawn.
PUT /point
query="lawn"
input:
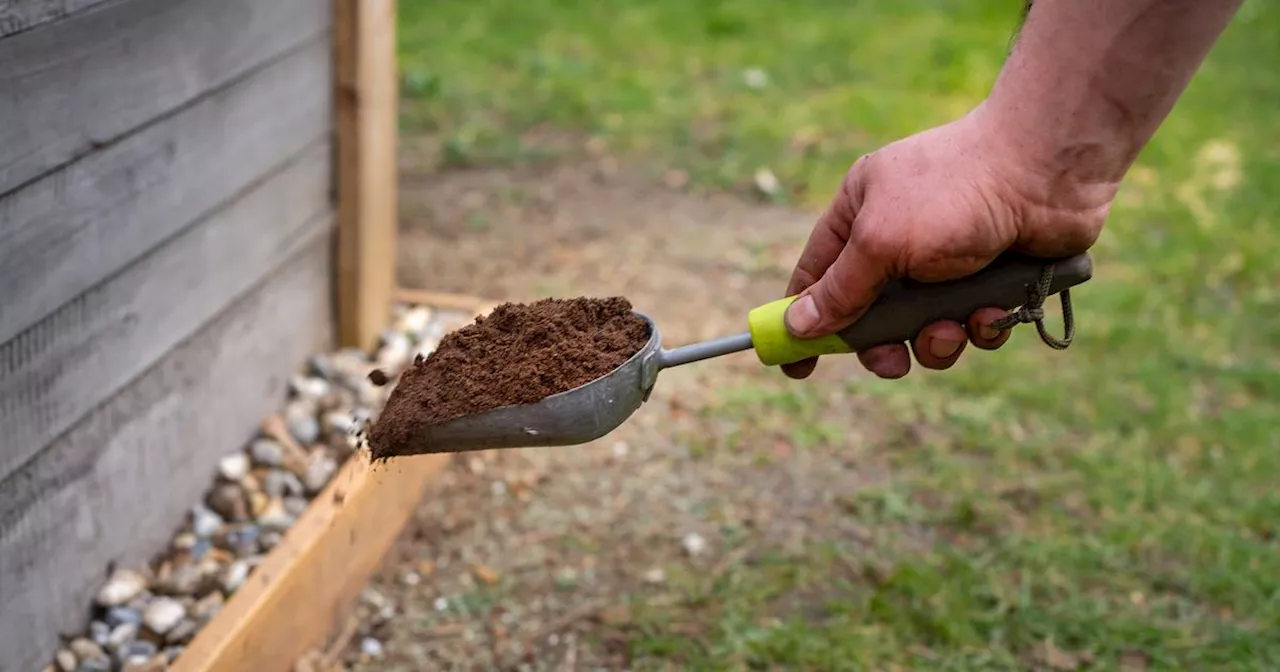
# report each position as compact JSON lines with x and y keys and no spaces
{"x":1114,"y":504}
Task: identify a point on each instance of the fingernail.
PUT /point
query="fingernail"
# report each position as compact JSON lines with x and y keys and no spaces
{"x":943,"y":348}
{"x":802,"y":316}
{"x":988,"y":332}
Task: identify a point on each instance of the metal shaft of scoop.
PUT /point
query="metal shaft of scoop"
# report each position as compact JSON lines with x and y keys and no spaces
{"x":697,"y":352}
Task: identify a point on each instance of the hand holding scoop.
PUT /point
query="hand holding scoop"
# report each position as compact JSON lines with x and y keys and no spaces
{"x":592,"y":410}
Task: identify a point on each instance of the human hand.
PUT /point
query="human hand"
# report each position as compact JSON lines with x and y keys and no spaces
{"x":934,"y":206}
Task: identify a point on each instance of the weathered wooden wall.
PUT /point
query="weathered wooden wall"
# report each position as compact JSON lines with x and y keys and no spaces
{"x":166,"y":262}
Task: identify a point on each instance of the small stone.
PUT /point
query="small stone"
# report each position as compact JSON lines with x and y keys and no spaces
{"x":498,"y":488}
{"x":142,"y":649}
{"x":755,"y":78}
{"x":117,"y":615}
{"x":85,"y":649}
{"x":295,"y":506}
{"x":184,"y":541}
{"x":208,"y":607}
{"x":371,"y":647}
{"x":275,"y":517}
{"x":185,"y":578}
{"x":300,"y":418}
{"x":234,"y":467}
{"x":156,"y":663}
{"x":270,"y":539}
{"x":620,"y":449}
{"x":694,"y":544}
{"x":767,"y":182}
{"x":410,"y":578}
{"x":228,"y":501}
{"x":233,"y":576}
{"x":340,"y":422}
{"x":242,"y":540}
{"x":250,"y":483}
{"x":258,"y":502}
{"x":205,"y":523}
{"x":395,"y":353}
{"x":415,"y":321}
{"x":267,"y":453}
{"x":121,"y":636}
{"x":182,"y":632}
{"x":99,"y":632}
{"x":440,"y":604}
{"x":201,"y":549}
{"x":101,"y":664}
{"x":65,"y":660}
{"x":320,"y":468}
{"x":279,"y":483}
{"x":655,"y":575}
{"x":310,"y":388}
{"x":123,"y":586}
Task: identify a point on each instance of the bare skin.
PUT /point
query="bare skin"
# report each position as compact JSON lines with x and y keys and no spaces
{"x":1033,"y":169}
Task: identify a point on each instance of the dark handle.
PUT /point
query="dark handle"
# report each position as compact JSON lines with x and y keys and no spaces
{"x":906,"y":307}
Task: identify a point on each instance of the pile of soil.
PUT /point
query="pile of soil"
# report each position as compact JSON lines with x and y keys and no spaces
{"x":518,"y":354}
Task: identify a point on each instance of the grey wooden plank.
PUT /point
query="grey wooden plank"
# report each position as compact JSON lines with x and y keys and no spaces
{"x":74,"y":85}
{"x":19,"y":15}
{"x":115,"y":487}
{"x":69,"y":230}
{"x":69,"y":362}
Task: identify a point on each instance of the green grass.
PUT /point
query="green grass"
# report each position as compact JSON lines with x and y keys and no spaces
{"x":1121,"y":496}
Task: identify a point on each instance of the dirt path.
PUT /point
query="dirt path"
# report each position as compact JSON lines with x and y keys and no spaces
{"x":539,"y":559}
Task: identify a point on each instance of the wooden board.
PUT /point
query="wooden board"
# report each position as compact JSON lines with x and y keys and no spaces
{"x":81,"y":83}
{"x":117,"y":485}
{"x":75,"y":227}
{"x":58,"y":370}
{"x":366,"y":98}
{"x":294,"y":600}
{"x":19,"y":15}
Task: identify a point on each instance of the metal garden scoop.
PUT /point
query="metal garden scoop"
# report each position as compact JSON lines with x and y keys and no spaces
{"x":594,"y":409}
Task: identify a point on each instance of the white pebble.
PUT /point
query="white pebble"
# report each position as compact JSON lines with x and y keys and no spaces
{"x":499,"y":488}
{"x":320,"y":468}
{"x":441,"y":604}
{"x":411,"y":578}
{"x":415,"y":321}
{"x":121,"y":635}
{"x":655,"y":575}
{"x":124,"y":585}
{"x":205,"y":523}
{"x":309,"y":387}
{"x":767,"y":182}
{"x":234,"y":467}
{"x":66,"y":661}
{"x":694,"y":544}
{"x":233,"y":576}
{"x":371,"y":647}
{"x":620,"y":449}
{"x":162,"y":614}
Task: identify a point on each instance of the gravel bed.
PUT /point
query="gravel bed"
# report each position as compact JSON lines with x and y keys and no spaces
{"x":142,"y":617}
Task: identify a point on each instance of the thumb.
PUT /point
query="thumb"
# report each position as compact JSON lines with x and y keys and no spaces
{"x":843,"y":293}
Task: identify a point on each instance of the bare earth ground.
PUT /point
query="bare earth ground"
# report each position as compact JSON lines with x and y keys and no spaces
{"x":545,"y":559}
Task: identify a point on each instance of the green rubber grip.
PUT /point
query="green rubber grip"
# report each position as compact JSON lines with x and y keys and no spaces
{"x":905,"y":307}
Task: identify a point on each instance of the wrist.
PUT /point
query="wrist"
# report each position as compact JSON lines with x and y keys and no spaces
{"x":1049,"y":170}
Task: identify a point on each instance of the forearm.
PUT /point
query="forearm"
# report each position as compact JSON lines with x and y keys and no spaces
{"x":1090,"y":81}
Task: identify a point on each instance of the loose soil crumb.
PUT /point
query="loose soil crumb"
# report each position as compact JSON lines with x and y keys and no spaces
{"x":379,"y":377}
{"x":518,"y":354}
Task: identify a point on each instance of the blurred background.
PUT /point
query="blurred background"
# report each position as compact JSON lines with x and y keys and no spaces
{"x":1113,"y":506}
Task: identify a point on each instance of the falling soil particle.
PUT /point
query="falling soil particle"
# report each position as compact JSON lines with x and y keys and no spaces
{"x":379,"y":377}
{"x":518,"y":354}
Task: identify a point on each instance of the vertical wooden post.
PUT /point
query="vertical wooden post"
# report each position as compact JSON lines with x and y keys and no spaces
{"x":366,"y":100}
